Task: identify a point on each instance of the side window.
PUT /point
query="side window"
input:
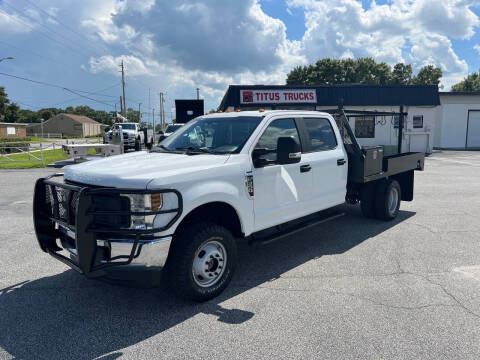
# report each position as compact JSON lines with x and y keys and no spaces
{"x":418,"y":122}
{"x":320,"y":134}
{"x":276,"y":129}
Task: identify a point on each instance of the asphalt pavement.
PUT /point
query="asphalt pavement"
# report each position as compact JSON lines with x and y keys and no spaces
{"x":352,"y":288}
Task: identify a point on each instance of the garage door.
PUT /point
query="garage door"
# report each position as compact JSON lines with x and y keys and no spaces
{"x":473,"y":130}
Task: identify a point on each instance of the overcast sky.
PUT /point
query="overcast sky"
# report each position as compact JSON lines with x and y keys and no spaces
{"x":176,"y":46}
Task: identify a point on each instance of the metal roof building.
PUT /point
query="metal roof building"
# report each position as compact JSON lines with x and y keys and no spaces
{"x":286,"y":96}
{"x":420,"y":102}
{"x":67,"y":125}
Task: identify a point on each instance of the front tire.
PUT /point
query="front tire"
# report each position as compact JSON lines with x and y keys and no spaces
{"x":387,"y":199}
{"x":137,"y":145}
{"x":202,"y":261}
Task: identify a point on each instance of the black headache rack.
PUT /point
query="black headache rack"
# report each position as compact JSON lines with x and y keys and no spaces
{"x":368,"y":163}
{"x":80,"y":215}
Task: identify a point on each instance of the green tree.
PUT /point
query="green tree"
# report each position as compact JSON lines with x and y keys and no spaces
{"x":133,"y":115}
{"x":402,"y":74}
{"x":299,"y":76}
{"x":345,"y":71}
{"x":428,"y":75}
{"x":4,"y":102}
{"x":361,"y":71}
{"x":468,"y":84}
{"x":28,"y":116}
{"x":11,"y":113}
{"x":46,"y":114}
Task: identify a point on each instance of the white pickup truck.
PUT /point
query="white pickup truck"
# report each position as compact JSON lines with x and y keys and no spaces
{"x":256,"y":175}
{"x":135,"y":135}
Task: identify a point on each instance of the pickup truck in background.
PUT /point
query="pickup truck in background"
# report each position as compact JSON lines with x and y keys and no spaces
{"x":135,"y":135}
{"x":255,"y":175}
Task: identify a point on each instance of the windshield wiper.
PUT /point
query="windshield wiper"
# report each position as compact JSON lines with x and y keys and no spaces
{"x":163,"y":147}
{"x":194,"y":150}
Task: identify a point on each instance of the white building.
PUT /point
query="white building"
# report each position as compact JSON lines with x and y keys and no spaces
{"x":418,"y":132}
{"x":458,"y":121}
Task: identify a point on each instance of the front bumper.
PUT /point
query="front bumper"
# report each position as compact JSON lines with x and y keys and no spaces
{"x":68,"y":215}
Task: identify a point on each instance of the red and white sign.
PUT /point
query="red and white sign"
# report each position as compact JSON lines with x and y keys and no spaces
{"x":287,"y":96}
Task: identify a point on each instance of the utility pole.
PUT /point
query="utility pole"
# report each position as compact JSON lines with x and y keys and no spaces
{"x":121,"y":104}
{"x":162,"y":112}
{"x":198,"y":94}
{"x":153,"y":119}
{"x":124,"y":112}
{"x":139,"y":113}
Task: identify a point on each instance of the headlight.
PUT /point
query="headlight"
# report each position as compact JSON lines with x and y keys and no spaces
{"x":156,"y":201}
{"x":144,"y":203}
{"x":151,"y":203}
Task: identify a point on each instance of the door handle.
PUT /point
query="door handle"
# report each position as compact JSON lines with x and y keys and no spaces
{"x":341,"y":162}
{"x":305,"y":168}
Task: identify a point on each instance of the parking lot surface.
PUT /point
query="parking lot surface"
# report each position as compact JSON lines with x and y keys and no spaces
{"x":352,"y":288}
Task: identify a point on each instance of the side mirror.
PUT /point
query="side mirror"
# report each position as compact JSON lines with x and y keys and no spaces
{"x":161,"y":137}
{"x":258,"y":161}
{"x":288,"y":150}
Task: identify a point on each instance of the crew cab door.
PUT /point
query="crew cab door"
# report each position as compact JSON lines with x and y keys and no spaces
{"x":280,"y":189}
{"x":325,"y":153}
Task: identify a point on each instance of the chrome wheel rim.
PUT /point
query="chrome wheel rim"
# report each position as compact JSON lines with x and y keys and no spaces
{"x":209,"y":263}
{"x":392,"y":200}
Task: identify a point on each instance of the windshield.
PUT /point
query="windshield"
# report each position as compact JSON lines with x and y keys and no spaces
{"x":128,"y":126}
{"x":212,"y":134}
{"x":172,"y":128}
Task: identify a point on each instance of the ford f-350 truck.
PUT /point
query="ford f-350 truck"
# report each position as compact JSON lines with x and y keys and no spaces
{"x":256,"y":175}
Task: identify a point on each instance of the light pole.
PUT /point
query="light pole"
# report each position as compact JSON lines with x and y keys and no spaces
{"x":7,"y":58}
{"x":41,"y":126}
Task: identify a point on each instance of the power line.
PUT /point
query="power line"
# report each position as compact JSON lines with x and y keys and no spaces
{"x":89,"y":98}
{"x":32,"y":106}
{"x":77,"y":98}
{"x":98,"y":93}
{"x":59,"y":22}
{"x":34,"y":53}
{"x":76,"y":92}
{"x":39,"y":32}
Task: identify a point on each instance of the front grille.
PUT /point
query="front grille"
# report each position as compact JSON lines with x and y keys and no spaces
{"x":62,"y":203}
{"x":110,"y":203}
{"x":125,"y":135}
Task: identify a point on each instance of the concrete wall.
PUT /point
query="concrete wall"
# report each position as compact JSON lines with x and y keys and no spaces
{"x":386,"y":134}
{"x":452,"y":120}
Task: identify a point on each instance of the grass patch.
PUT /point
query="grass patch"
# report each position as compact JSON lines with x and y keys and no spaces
{"x":37,"y":139}
{"x":49,"y":157}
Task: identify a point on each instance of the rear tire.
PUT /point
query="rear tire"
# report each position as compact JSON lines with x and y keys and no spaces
{"x":202,"y":261}
{"x":387,"y":199}
{"x":367,"y":201}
